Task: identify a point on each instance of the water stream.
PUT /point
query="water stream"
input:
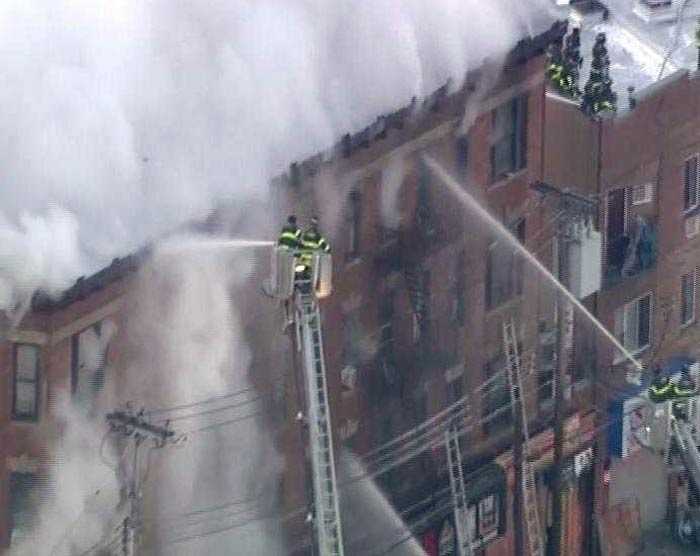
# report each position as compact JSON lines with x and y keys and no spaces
{"x":471,"y":203}
{"x":369,"y":519}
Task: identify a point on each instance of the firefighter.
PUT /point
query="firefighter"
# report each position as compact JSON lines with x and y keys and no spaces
{"x":290,"y":236}
{"x":312,"y":241}
{"x":685,"y":387}
{"x":661,"y":388}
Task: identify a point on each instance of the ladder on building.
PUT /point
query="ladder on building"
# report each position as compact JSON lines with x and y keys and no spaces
{"x":327,"y":513}
{"x":530,"y":511}
{"x":459,"y":495}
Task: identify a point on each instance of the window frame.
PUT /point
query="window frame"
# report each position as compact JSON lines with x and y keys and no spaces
{"x":693,"y":289}
{"x":515,"y":268}
{"x":621,"y":326}
{"x":354,"y":217}
{"x":476,"y":523}
{"x":34,"y":416}
{"x":514,"y":137}
{"x":688,"y":207}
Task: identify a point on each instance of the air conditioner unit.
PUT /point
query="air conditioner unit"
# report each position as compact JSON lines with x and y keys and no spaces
{"x":585,"y":263}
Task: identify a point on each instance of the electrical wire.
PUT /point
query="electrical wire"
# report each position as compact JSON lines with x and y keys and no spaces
{"x":202,"y":402}
{"x":224,"y":423}
{"x":282,"y":518}
{"x":215,"y":410}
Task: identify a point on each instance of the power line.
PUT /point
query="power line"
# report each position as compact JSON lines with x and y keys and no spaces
{"x":202,"y":402}
{"x":225,"y":423}
{"x":215,"y":410}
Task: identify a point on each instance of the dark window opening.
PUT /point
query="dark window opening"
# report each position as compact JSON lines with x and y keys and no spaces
{"x":688,"y":298}
{"x":88,"y":358}
{"x":462,"y":154}
{"x":25,"y":395}
{"x":355,"y":222}
{"x":509,"y":138}
{"x":691,"y":182}
{"x":504,"y":270}
{"x":497,"y":412}
{"x":24,"y":504}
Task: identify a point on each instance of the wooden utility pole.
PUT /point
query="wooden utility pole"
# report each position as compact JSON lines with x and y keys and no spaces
{"x":136,"y":428}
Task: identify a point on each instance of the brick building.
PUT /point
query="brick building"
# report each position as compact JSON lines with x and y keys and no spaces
{"x":421,"y":291}
{"x":642,"y":166}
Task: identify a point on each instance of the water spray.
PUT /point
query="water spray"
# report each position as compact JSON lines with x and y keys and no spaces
{"x":470,"y":202}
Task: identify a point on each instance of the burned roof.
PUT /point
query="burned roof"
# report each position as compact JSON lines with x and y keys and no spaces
{"x":524,"y":50}
{"x":118,"y":269}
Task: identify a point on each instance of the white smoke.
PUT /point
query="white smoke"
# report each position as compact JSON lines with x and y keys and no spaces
{"x":83,"y":490}
{"x":187,"y":344}
{"x":121,"y":124}
{"x":136,"y":118}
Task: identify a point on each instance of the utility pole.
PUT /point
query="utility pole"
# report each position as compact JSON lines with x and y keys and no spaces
{"x":136,"y":428}
{"x":576,"y":210}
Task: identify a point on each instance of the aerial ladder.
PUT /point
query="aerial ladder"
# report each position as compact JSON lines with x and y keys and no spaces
{"x":530,"y":510}
{"x":300,"y":289}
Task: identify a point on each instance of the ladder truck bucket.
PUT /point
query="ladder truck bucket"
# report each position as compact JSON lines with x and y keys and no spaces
{"x":322,"y":274}
{"x":282,"y":273}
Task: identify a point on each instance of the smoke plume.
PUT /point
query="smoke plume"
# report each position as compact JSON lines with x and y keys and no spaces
{"x":120,"y":124}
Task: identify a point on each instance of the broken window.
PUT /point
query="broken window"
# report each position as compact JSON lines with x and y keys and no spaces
{"x":88,"y":353}
{"x":496,"y":409}
{"x":25,"y":398}
{"x":425,"y":219}
{"x":504,"y":270}
{"x":462,"y":154}
{"x":688,"y":298}
{"x":691,"y":182}
{"x":355,"y":222}
{"x":24,"y":503}
{"x":458,"y":313}
{"x":509,"y":138}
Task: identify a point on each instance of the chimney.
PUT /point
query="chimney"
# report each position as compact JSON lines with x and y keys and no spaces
{"x":632,"y":100}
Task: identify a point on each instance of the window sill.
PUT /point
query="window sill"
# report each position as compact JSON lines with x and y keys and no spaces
{"x":353,"y":260}
{"x":619,"y":359}
{"x":507,"y":178}
{"x":505,"y":305}
{"x":20,"y":420}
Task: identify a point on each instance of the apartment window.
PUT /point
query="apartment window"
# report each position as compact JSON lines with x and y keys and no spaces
{"x":496,"y":411}
{"x":642,"y":194}
{"x":462,"y":154}
{"x":504,"y":270}
{"x":88,"y":353}
{"x":616,"y":233}
{"x":386,"y":322}
{"x":25,"y":397}
{"x":633,"y":324}
{"x":425,"y":221}
{"x":23,"y":493}
{"x":688,"y":297}
{"x":508,"y":150}
{"x":483,"y":519}
{"x":354,"y":221}
{"x":458,"y":313}
{"x":691,"y":177}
